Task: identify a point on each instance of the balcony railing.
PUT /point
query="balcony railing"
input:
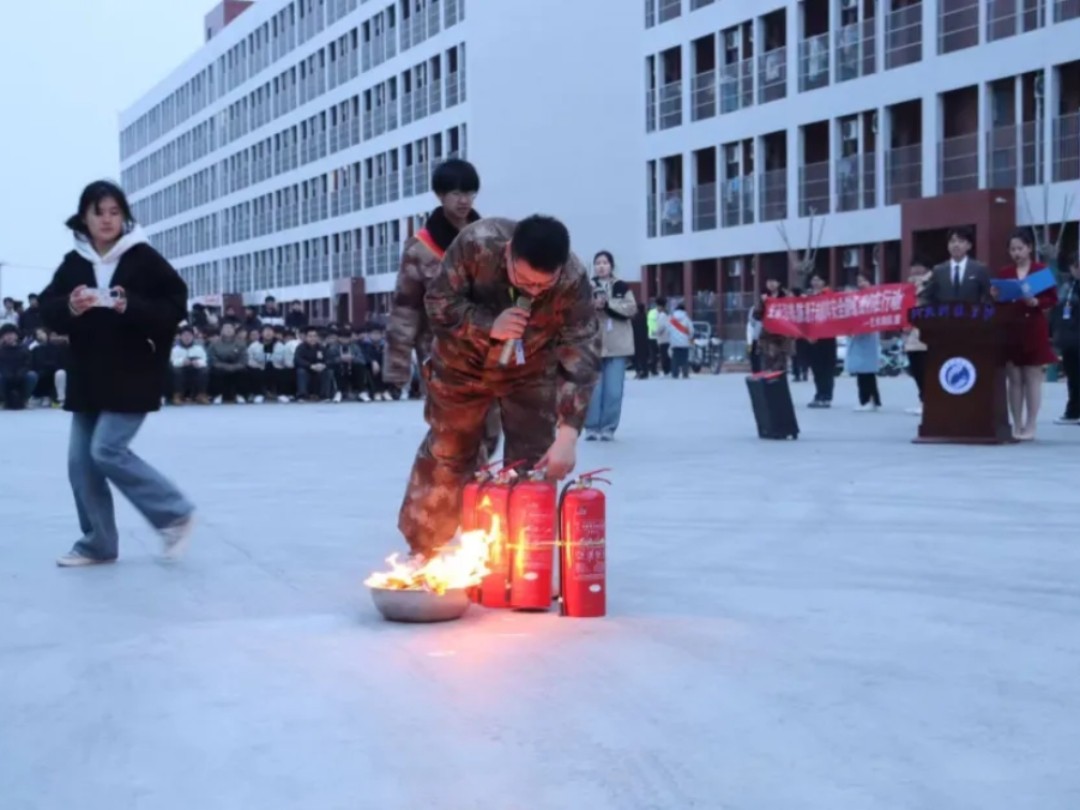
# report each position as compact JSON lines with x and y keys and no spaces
{"x":958,"y":27}
{"x":453,"y":90}
{"x":1067,"y":147}
{"x":435,"y":96}
{"x":1007,"y":18}
{"x":737,"y":86}
{"x":856,"y":181}
{"x":814,"y":62}
{"x":903,"y":37}
{"x":705,"y":207}
{"x":671,"y":105}
{"x":814,"y":189}
{"x":650,"y":215}
{"x":671,"y":213}
{"x":772,"y":75}
{"x":650,"y":110}
{"x":903,"y":174}
{"x":451,"y":12}
{"x":855,"y":45}
{"x":1066,"y":10}
{"x":958,"y":164}
{"x":737,"y":201}
{"x":1010,"y":156}
{"x":704,"y":96}
{"x":650,"y":20}
{"x":773,"y":194}
{"x":670,"y":9}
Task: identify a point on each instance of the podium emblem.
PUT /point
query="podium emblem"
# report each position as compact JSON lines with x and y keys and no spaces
{"x":957,"y":376}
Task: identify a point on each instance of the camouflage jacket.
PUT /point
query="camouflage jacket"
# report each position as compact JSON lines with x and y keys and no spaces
{"x":408,"y":328}
{"x":562,"y":339}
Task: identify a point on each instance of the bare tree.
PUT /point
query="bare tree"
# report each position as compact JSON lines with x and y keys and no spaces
{"x":804,"y":265}
{"x":1049,"y":250}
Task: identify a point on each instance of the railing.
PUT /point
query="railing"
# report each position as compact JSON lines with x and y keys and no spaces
{"x":737,"y":86}
{"x":772,"y":75}
{"x":650,"y":17}
{"x":393,"y":186}
{"x":903,"y":37}
{"x":958,"y":164}
{"x":1066,"y":10}
{"x":704,"y":207}
{"x":369,"y":126}
{"x":451,"y":12}
{"x":391,"y":114}
{"x":669,"y":10}
{"x":420,"y":103}
{"x":1067,"y":147}
{"x":650,"y":214}
{"x":903,"y":174}
{"x":1010,"y":156}
{"x":958,"y":27}
{"x":814,"y":189}
{"x":671,"y":214}
{"x":772,"y":193}
{"x":671,"y":105}
{"x":814,"y":63}
{"x":856,"y":181}
{"x":855,"y":45}
{"x":1007,"y":18}
{"x":737,"y":203}
{"x":380,"y":120}
{"x":650,"y":110}
{"x":406,"y":108}
{"x":703,"y":89}
{"x":453,"y":94}
{"x":435,"y":96}
{"x":433,"y":18}
{"x":696,"y":4}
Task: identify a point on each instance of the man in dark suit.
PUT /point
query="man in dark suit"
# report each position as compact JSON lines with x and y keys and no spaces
{"x":961,"y":279}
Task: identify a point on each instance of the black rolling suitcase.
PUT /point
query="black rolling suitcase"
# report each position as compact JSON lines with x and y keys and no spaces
{"x":774,"y":411}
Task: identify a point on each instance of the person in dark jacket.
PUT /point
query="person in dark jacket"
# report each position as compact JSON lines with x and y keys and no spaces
{"x":30,"y":319}
{"x":312,"y":372}
{"x":49,"y":359}
{"x":228,"y":366}
{"x":1065,"y":323}
{"x":17,"y":377}
{"x":120,"y":303}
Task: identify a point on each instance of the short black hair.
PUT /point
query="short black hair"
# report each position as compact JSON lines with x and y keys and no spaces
{"x":9,"y":300}
{"x":962,"y":232}
{"x":921,"y":261}
{"x":92,"y":197}
{"x":455,"y":175}
{"x":661,"y":301}
{"x":541,"y":241}
{"x":311,"y":329}
{"x":32,"y":297}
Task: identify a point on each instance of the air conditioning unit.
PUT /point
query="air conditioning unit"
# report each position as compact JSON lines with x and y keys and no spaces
{"x":851,"y":258}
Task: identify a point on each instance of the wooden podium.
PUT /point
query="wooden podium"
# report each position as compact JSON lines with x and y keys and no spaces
{"x":964,"y":398}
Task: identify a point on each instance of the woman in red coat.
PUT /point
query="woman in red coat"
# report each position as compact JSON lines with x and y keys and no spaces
{"x":1029,"y":349}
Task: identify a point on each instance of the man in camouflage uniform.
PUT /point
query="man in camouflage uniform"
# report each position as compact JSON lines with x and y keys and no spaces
{"x":544,"y":390}
{"x":456,"y":184}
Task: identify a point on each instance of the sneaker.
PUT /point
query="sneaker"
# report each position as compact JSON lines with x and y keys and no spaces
{"x":260,"y":399}
{"x":916,"y":411}
{"x":590,"y":436}
{"x":867,"y":408}
{"x":76,"y":559}
{"x":337,"y":397}
{"x":607,"y":436}
{"x":175,"y":538}
{"x":218,"y":400}
{"x":365,"y":396}
{"x":1065,"y":420}
{"x":284,"y":400}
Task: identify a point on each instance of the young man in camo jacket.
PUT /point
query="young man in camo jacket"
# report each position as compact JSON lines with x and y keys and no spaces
{"x":543,"y":391}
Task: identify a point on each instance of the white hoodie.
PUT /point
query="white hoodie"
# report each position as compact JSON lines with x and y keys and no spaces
{"x":105,"y":266}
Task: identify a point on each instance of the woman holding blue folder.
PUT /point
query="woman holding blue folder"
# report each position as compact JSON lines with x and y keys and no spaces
{"x":1029,"y":349}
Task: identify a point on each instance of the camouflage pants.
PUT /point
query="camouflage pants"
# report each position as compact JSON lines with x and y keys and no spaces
{"x":461,"y":412}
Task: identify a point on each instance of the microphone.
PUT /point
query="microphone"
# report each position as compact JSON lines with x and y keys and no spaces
{"x":525,"y":303}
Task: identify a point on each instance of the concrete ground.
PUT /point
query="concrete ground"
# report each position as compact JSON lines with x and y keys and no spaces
{"x":845,"y":621}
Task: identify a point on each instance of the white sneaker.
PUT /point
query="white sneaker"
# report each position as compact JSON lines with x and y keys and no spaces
{"x":73,"y":559}
{"x":175,"y":538}
{"x":365,"y":396}
{"x":217,"y":400}
{"x":337,"y":397}
{"x":284,"y":400}
{"x":864,"y":408}
{"x":1064,"y":420}
{"x":916,"y":411}
{"x":259,"y":400}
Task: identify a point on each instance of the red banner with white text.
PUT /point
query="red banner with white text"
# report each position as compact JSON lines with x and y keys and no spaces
{"x":883,"y":308}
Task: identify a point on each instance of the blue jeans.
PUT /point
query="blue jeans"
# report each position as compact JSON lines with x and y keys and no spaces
{"x":605,"y":407}
{"x":97,"y":455}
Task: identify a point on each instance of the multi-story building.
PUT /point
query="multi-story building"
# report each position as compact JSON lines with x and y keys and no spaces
{"x":882,"y":122}
{"x":291,"y":155}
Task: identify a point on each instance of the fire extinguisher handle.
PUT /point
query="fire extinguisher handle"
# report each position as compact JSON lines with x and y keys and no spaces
{"x":594,"y":473}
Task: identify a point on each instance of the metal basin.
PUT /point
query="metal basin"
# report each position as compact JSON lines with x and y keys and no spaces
{"x":418,"y":606}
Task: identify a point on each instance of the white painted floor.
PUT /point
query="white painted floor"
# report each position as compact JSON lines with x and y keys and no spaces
{"x":848,"y":621}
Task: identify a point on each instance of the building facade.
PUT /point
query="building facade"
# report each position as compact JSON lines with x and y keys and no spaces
{"x":864,"y":128}
{"x":292,"y":154}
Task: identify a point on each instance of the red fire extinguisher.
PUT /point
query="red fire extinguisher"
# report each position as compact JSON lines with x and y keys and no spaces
{"x":493,"y":516}
{"x":533,"y":507}
{"x":583,"y":538}
{"x":470,"y":519}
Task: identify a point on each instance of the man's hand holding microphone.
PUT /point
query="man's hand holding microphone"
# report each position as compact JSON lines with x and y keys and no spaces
{"x":510,"y":326}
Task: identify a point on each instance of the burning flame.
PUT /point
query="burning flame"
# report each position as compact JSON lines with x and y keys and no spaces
{"x":462,"y":563}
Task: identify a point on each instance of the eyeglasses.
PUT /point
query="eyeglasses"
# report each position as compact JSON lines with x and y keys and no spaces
{"x":462,"y":195}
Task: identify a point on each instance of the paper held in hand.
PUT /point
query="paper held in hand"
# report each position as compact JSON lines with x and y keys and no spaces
{"x":1011,"y":289}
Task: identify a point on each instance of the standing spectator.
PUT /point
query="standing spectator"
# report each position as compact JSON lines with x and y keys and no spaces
{"x":362,"y":383}
{"x":296,"y":318}
{"x":266,"y":367}
{"x":1066,"y":320}
{"x":228,"y":365}
{"x":251,"y":320}
{"x":9,"y":317}
{"x":119,"y":355}
{"x":17,"y":377}
{"x":863,"y":360}
{"x":641,"y":344}
{"x":615,"y":306}
{"x":49,"y":361}
{"x":822,"y":357}
{"x":291,"y":343}
{"x":652,"y":327}
{"x":682,"y":334}
{"x":30,"y":319}
{"x":311,"y":369}
{"x":753,"y":340}
{"x":774,"y":349}
{"x":271,"y":312}
{"x":334,"y":364}
{"x":663,"y":336}
{"x":800,"y":360}
{"x":1029,"y":349}
{"x":190,"y":374}
{"x":914,"y":348}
